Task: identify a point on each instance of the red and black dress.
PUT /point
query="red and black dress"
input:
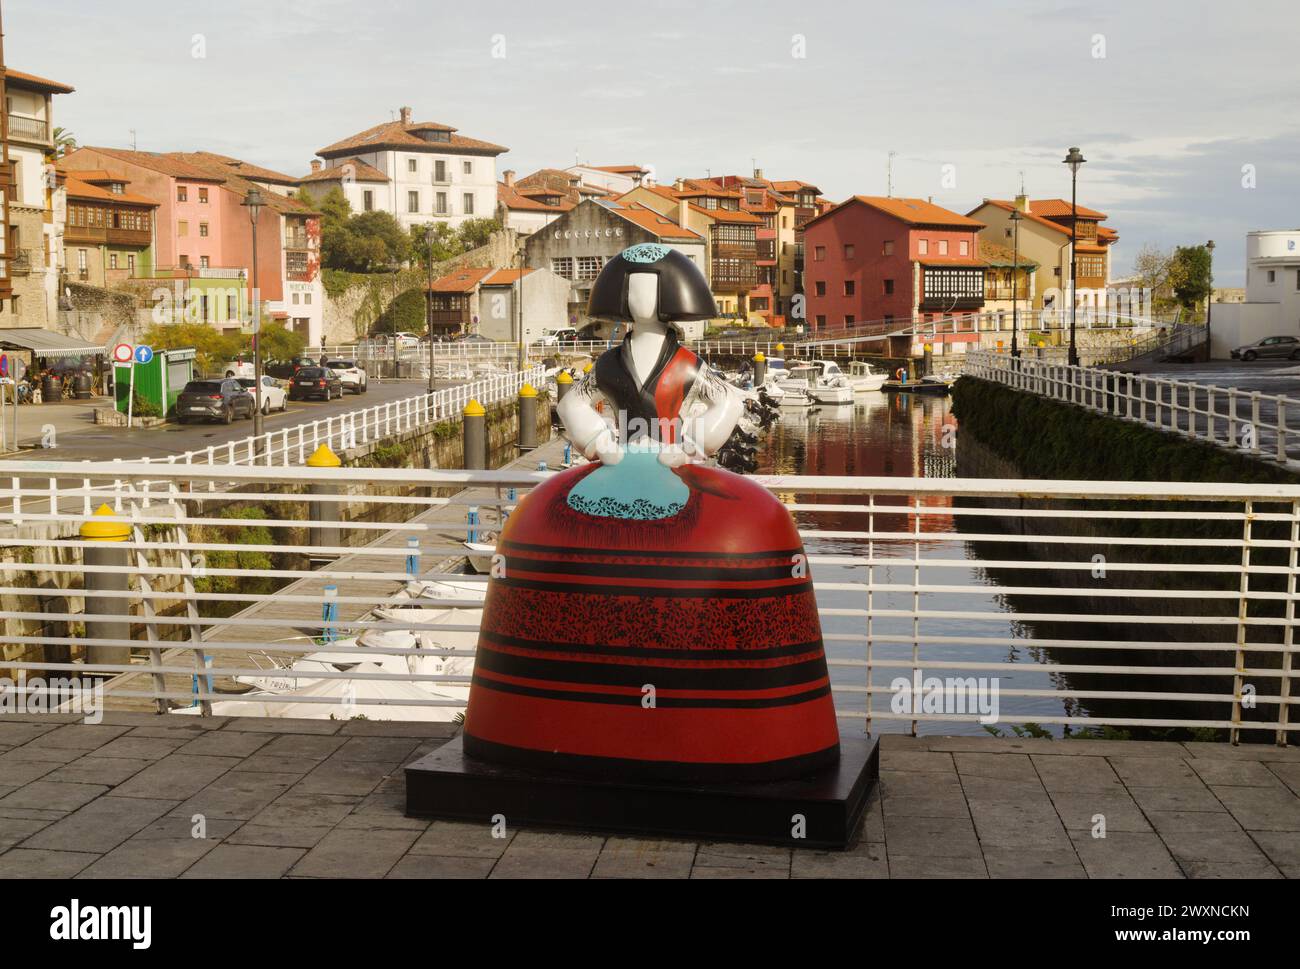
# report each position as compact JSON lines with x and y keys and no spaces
{"x":647,"y":638}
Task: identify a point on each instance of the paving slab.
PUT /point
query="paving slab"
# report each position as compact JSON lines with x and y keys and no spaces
{"x":1175,"y":798}
{"x":1218,"y":846}
{"x":101,"y":825}
{"x":46,"y":795}
{"x":1265,"y":753}
{"x":644,"y":858}
{"x":1288,"y":774}
{"x":176,"y":776}
{"x":244,"y":861}
{"x":1076,"y":774}
{"x":1079,"y":809}
{"x":1124,"y":854}
{"x":546,"y":854}
{"x":863,"y":860}
{"x":96,"y":769}
{"x":1029,"y":823}
{"x":33,"y":863}
{"x":226,"y":743}
{"x":16,"y":830}
{"x":238,"y":794}
{"x":916,"y":836}
{"x":15,"y":732}
{"x":79,"y":736}
{"x":461,"y":839}
{"x":1008,"y":766}
{"x":135,"y":747}
{"x":1155,"y":772}
{"x":392,"y":750}
{"x":17,"y":771}
{"x":283,"y":726}
{"x":302,"y":746}
{"x":149,"y":858}
{"x":936,"y":866}
{"x":1169,"y":823}
{"x":1033,"y":862}
{"x":297,"y":808}
{"x":355,"y":854}
{"x":441,"y":866}
{"x":926,"y":761}
{"x":1235,"y":773}
{"x":335,"y":776}
{"x":1257,"y":808}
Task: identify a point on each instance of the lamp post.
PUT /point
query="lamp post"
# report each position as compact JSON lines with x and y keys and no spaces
{"x":519,"y":360}
{"x":428,"y":296}
{"x":1209,"y":300}
{"x":253,"y":202}
{"x":1016,"y":219}
{"x":1075,"y":160}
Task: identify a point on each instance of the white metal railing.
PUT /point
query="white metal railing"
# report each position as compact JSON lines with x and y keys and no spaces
{"x":1245,"y":421}
{"x":1199,"y":580}
{"x":293,"y":445}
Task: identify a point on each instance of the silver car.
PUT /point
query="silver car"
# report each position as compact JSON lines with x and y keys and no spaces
{"x":1275,"y":347}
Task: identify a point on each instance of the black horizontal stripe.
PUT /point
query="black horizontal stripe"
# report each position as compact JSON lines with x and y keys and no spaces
{"x":651,"y":652}
{"x":661,"y":677}
{"x":657,"y":592}
{"x":634,"y":699}
{"x":642,"y":571}
{"x":672,"y":770}
{"x":641,"y":553}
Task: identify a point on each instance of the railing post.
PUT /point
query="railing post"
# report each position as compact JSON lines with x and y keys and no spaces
{"x":1243,"y":601}
{"x":1288,"y":631}
{"x":1254,"y":421}
{"x":1281,"y":430}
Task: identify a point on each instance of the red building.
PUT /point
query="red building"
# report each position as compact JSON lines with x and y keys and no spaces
{"x":874,"y":259}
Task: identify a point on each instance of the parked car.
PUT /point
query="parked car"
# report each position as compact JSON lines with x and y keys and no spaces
{"x":315,"y":382}
{"x":566,"y":335}
{"x":284,"y":369}
{"x":1274,"y":347}
{"x":406,"y":341}
{"x":349,"y":374}
{"x":239,"y":368}
{"x":218,"y":400}
{"x":273,"y":395}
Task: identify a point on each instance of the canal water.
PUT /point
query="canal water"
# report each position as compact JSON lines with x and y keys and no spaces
{"x":903,"y":436}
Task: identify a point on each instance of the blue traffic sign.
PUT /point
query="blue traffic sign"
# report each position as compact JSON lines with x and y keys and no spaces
{"x":4,"y":365}
{"x":143,"y":354}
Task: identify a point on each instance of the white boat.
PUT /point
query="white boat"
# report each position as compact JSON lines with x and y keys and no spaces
{"x":865,"y":378}
{"x":826,"y":383}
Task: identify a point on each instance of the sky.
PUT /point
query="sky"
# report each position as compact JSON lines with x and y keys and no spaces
{"x":1186,"y":112}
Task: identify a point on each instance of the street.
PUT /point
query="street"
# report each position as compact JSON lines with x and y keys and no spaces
{"x":69,"y":425}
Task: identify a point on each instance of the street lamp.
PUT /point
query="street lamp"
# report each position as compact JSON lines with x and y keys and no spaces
{"x":1075,"y":160}
{"x":1016,"y":219}
{"x":519,"y":362}
{"x":253,"y":202}
{"x":428,"y":297}
{"x":1209,"y":303}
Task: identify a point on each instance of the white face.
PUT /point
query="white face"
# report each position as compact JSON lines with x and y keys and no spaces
{"x":643,"y":297}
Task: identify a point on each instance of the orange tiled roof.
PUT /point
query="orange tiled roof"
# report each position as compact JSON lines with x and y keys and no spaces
{"x":1107,"y":233}
{"x":460,"y":281}
{"x":618,"y":169}
{"x":511,"y":198}
{"x":166,"y":164}
{"x":79,"y":188}
{"x":911,"y":211}
{"x":652,"y":221}
{"x":1057,"y":208}
{"x":397,"y":136}
{"x":1031,"y":216}
{"x":968,"y":261}
{"x":360,"y":171}
{"x":504,"y":277}
{"x":1004,"y":256}
{"x":740,"y":216}
{"x":794,"y":185}
{"x":41,"y":83}
{"x":247,"y":169}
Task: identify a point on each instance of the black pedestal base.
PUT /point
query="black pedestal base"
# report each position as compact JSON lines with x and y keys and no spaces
{"x":821,"y":810}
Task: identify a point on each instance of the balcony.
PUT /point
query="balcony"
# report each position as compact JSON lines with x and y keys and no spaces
{"x":104,"y":235}
{"x":28,"y":129}
{"x":21,"y":263}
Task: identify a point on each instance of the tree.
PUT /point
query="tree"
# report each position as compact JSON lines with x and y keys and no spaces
{"x":278,"y":342}
{"x":476,"y":232}
{"x":382,"y":226}
{"x":446,"y":245}
{"x":64,"y":142}
{"x":1189,"y":276}
{"x":1151,"y":268}
{"x":407,"y":312}
{"x":212,"y":348}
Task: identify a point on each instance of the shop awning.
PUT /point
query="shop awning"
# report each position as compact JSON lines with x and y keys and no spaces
{"x":45,"y":343}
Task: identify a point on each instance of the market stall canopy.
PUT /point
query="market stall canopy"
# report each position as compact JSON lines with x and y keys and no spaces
{"x":45,"y":343}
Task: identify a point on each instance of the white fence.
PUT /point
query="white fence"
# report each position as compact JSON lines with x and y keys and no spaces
{"x":1245,"y":421}
{"x":1193,"y":626}
{"x":293,"y":445}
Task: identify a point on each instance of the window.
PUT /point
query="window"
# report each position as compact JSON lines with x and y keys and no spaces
{"x":849,"y":250}
{"x":563,"y":266}
{"x":440,"y":171}
{"x":295,"y":299}
{"x":203,"y":195}
{"x":440,"y":207}
{"x":81,"y":259}
{"x":953,"y":284}
{"x":889,"y":287}
{"x":368,"y":200}
{"x":965,"y":247}
{"x":112,"y":260}
{"x":203,"y":229}
{"x":182,"y":228}
{"x":819,"y":288}
{"x":182,"y":193}
{"x":203,"y":262}
{"x":848,"y":319}
{"x":943,"y":247}
{"x":413,"y":201}
{"x":819,"y":253}
{"x":306,"y":298}
{"x":130,"y":262}
{"x":469,"y":203}
{"x":887,"y":248}
{"x":821,"y":319}
{"x":468,"y":168}
{"x":589,"y":266}
{"x":1272,"y":276}
{"x":923,"y":247}
{"x":231,"y":309}
{"x":411,"y":165}
{"x":850,"y":287}
{"x":185,"y":260}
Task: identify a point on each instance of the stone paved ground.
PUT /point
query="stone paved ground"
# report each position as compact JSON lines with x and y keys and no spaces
{"x":324,"y":799}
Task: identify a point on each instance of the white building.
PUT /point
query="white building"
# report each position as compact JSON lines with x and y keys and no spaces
{"x":616,"y":178}
{"x":431,"y":173}
{"x":1272,"y":304}
{"x":527,"y":208}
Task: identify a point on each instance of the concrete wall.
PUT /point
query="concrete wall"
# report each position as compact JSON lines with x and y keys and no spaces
{"x":1236,"y":324}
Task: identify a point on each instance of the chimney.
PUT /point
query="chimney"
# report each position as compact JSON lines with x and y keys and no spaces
{"x":315,"y":165}
{"x":679,"y":184}
{"x":758,"y":173}
{"x":508,"y":176}
{"x":683,"y":207}
{"x":1022,"y":203}
{"x":405,"y":115}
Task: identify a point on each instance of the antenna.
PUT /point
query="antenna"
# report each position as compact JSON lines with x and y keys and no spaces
{"x":1022,"y":181}
{"x":133,"y":148}
{"x":889,"y":174}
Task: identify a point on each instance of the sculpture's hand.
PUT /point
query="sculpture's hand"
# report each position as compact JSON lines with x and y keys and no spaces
{"x":677,"y":455}
{"x":605,"y":448}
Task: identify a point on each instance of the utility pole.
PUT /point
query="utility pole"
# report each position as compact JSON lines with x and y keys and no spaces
{"x":889,"y":174}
